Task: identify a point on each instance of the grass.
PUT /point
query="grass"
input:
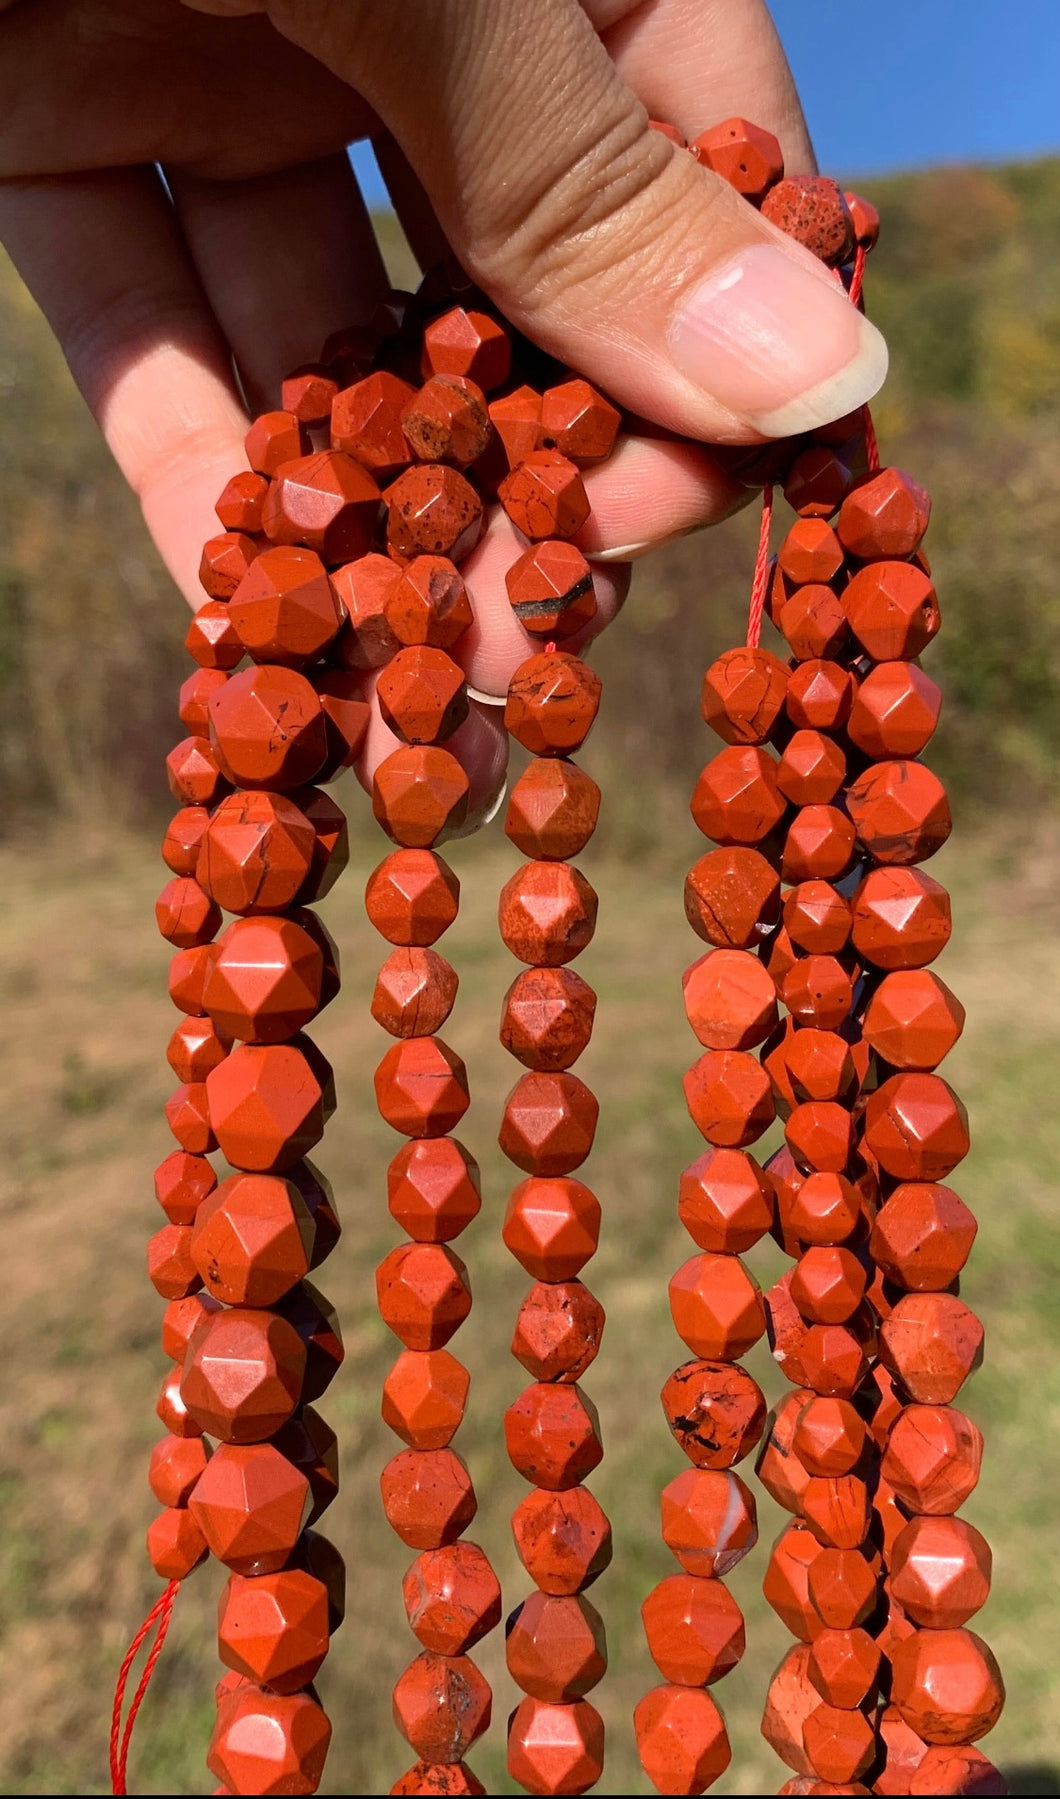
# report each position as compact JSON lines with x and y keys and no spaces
{"x":82,"y":1081}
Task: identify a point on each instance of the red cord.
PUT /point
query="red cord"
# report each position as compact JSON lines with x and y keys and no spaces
{"x":872,"y":448}
{"x":761,"y":574}
{"x":161,"y":1614}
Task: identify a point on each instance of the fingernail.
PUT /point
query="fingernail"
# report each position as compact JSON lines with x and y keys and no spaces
{"x":776,"y":345}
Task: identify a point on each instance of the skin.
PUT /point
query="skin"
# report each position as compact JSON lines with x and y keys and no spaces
{"x":538,"y":170}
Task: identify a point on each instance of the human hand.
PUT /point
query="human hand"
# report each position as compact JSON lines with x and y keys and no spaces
{"x":519,"y":134}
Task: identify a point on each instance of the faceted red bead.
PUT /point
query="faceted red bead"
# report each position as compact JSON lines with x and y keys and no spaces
{"x":708,"y":1520}
{"x":940,"y":1572}
{"x":438,"y":1778}
{"x":365,"y":588}
{"x":266,"y":981}
{"x":428,"y":1497}
{"x":732,"y":898}
{"x":241,"y":501}
{"x":544,"y":496}
{"x":433,"y":1188}
{"x":550,"y":589}
{"x":811,"y":209}
{"x":811,"y":552}
{"x":578,"y":422}
{"x":447,"y":421}
{"x":268,"y":728}
{"x":549,"y":1123}
{"x":194,"y":773}
{"x":366,"y":423}
{"x":736,"y":799}
{"x":267,"y":1742}
{"x":947,"y":1685}
{"x":307,"y":392}
{"x":182,"y":1182}
{"x":725,"y":1201}
{"x":269,"y":1103}
{"x":932,"y":1458}
{"x":225,"y":560}
{"x":547,"y":1018}
{"x":957,"y":1768}
{"x":175,"y":1466}
{"x":547,"y":913}
{"x":424,"y":1397}
{"x":896,"y":711}
{"x":256,"y":852}
{"x":170,"y":1268}
{"x":429,"y":605}
{"x":716,"y":1307}
{"x":820,"y":695}
{"x":825,"y":1209}
{"x":421,"y":1087}
{"x":442,"y":1705}
{"x":273,"y":1628}
{"x":251,"y":1505}
{"x":412,"y":897}
{"x":552,"y":703}
{"x":555,"y":1748}
{"x":563,"y":1539}
{"x":452,"y":1598}
{"x":423,"y":1294}
{"x":913,"y":1020}
{"x":744,"y":155}
{"x":552,"y":1435}
{"x":791,"y":1698}
{"x":743,"y":695}
{"x":922,"y":1236}
{"x":892,"y":610}
{"x":432,"y":510}
{"x":931,"y":1343}
{"x":175,"y":1543}
{"x":243,"y":1374}
{"x":814,"y":623}
{"x":715,"y":1411}
{"x":422,"y":694}
{"x":730,"y":1000}
{"x":819,"y":844}
{"x":901,"y":918}
{"x":729,"y":1095}
{"x":916,"y":1127}
{"x":463,"y":341}
{"x":840,"y":1743}
{"x":777,"y":1466}
{"x":555,"y":1646}
{"x":552,"y":1227}
{"x":275,"y":437}
{"x":558,"y":1330}
{"x":419,"y":794}
{"x":900,"y":811}
{"x":681,"y":1739}
{"x":414,"y":993}
{"x":212,"y":639}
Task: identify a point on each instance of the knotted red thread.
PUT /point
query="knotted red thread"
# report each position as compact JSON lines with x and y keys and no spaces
{"x":161,"y":1614}
{"x":761,"y":574}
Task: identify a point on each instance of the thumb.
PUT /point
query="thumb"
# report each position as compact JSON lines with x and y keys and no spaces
{"x":605,"y":244}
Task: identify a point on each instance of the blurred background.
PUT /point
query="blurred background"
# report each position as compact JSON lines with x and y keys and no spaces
{"x":947,"y":128}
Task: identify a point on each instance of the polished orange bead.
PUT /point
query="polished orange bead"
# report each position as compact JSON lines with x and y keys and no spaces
{"x":428,"y":1497}
{"x":552,"y":810}
{"x":170,"y":1268}
{"x":834,"y":1357}
{"x":716,"y":1412}
{"x":366,"y":423}
{"x":957,"y":1768}
{"x":547,"y":1018}
{"x":308,"y":392}
{"x":550,"y":589}
{"x":716,"y":1307}
{"x":326,"y":502}
{"x":194,"y":772}
{"x":563,"y":1539}
{"x":185,"y":915}
{"x":253,"y":1239}
{"x":843,"y":1587}
{"x":899,"y":811}
{"x":412,"y":897}
{"x":555,"y":1748}
{"x":552,"y":1434}
{"x":424,"y":1397}
{"x":422,"y":695}
{"x":256,"y":852}
{"x":913,"y":1020}
{"x":182,"y":842}
{"x":840,"y":1743}
{"x":182,"y":1318}
{"x":285,"y":609}
{"x":273,"y":1628}
{"x":814,"y":623}
{"x":175,"y":1466}
{"x":931,"y":1343}
{"x":940,"y":1572}
{"x":414,"y":993}
{"x":212,"y":639}
{"x":922,"y":1236}
{"x":820,"y":1065}
{"x":241,"y":501}
{"x":442,"y":1705}
{"x":447,"y":421}
{"x":452,"y":1598}
{"x":421,"y":1087}
{"x":817,"y":917}
{"x":743,"y":695}
{"x":947,"y":1685}
{"x":552,"y":703}
{"x":828,"y":1285}
{"x":195,"y":1047}
{"x":267,"y":1742}
{"x":916,"y":1127}
{"x":275,"y":437}
{"x":544,"y":496}
{"x":817,"y":481}
{"x":171,"y":1410}
{"x":429,"y":605}
{"x":786,"y":1585}
{"x":555,"y":1646}
{"x":811,"y":209}
{"x":811,"y":552}
{"x":433,"y":1189}
{"x":885,"y":516}
{"x":829,"y":1437}
{"x":811,"y":770}
{"x":182,"y":1182}
{"x":837,"y":1508}
{"x":901,"y":918}
{"x":558,"y":1330}
{"x":681,"y":1739}
{"x":175,"y":1543}
{"x":578,"y":422}
{"x":516,"y":418}
{"x":547,"y":913}
{"x":225,"y":560}
{"x":251,"y":1505}
{"x":725,"y":1201}
{"x":819,"y":844}
{"x":365,"y":588}
{"x":419,"y":793}
{"x":432,"y":510}
{"x":896,"y":711}
{"x":730,"y":1098}
{"x":694,"y":1629}
{"x":730,"y":1000}
{"x":777,"y":1466}
{"x":820,"y":695}
{"x":269,"y":1103}
{"x":818,"y":991}
{"x":423,"y":1293}
{"x":708,"y":1520}
{"x":268,"y":728}
{"x":243,"y":1374}
{"x":467,"y":342}
{"x":552,"y":1227}
{"x":892,"y":609}
{"x":736,"y":799}
{"x":744,"y":155}
{"x":790,"y":1700}
{"x":266,"y":981}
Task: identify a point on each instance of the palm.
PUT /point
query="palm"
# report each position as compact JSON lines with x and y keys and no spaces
{"x":137,"y":81}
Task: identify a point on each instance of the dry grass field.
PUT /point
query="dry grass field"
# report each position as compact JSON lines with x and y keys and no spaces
{"x":82,"y":1081}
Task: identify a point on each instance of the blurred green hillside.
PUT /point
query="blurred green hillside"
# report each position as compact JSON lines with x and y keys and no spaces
{"x":966,"y":284}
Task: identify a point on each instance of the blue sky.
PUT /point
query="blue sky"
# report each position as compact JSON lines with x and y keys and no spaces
{"x":898,"y":84}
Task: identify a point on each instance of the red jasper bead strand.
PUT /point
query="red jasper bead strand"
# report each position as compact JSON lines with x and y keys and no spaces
{"x":556,"y":1648}
{"x":254,"y":1342}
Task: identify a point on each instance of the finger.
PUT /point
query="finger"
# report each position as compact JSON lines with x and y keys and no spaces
{"x":141,"y":342}
{"x":480,"y":745}
{"x":696,"y":62}
{"x":285,"y":259}
{"x":597,"y":237}
{"x":652,"y":489}
{"x":496,"y":643}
